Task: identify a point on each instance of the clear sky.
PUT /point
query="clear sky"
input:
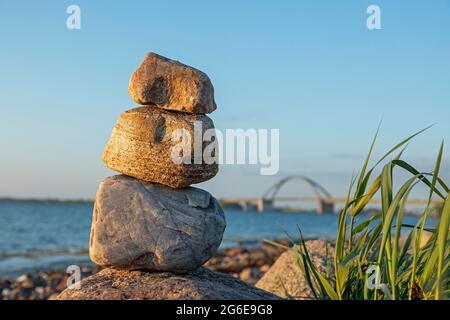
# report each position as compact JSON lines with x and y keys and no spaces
{"x":310,"y":68}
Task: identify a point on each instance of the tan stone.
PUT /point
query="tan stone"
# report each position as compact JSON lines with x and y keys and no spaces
{"x":203,"y":284}
{"x":141,"y":146}
{"x":171,"y":85}
{"x":285,"y":278}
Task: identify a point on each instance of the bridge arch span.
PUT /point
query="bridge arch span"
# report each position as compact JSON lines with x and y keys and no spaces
{"x":323,"y":196}
{"x":273,"y":191}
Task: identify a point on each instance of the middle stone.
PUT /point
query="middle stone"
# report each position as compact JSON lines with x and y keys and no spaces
{"x":145,"y":139}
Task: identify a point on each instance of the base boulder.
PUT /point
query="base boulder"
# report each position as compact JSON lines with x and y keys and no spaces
{"x":203,"y":284}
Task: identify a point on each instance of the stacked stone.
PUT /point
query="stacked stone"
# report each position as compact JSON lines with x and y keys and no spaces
{"x":149,"y":217}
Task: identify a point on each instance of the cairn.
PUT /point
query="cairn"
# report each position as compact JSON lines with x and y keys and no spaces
{"x":148,"y":223}
{"x":149,"y":218}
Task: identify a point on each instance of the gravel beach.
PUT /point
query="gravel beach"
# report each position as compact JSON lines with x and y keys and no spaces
{"x":247,"y":264}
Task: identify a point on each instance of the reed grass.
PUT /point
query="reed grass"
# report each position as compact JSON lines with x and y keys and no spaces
{"x":371,"y":252}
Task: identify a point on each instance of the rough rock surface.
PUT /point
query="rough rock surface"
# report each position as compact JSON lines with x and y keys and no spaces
{"x":285,"y":279}
{"x":141,"y":146}
{"x":139,"y":225}
{"x":171,"y":85}
{"x":203,"y":284}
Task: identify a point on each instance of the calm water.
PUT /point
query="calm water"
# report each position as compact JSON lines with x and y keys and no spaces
{"x":41,"y":236}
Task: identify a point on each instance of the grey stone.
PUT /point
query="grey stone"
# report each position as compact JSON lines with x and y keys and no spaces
{"x":142,"y":225}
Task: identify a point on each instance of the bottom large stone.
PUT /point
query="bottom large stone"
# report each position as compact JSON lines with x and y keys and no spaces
{"x":203,"y":284}
{"x":142,"y":225}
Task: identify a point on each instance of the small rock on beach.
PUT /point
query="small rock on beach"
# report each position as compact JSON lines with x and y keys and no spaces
{"x":286,"y":280}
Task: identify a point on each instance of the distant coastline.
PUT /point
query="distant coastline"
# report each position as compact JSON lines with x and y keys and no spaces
{"x":47,"y":200}
{"x":436,"y":212}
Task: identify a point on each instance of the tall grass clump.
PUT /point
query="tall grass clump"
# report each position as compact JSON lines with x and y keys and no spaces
{"x":370,"y":260}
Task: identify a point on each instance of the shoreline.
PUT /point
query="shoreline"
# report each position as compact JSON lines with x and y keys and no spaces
{"x":248,"y":264}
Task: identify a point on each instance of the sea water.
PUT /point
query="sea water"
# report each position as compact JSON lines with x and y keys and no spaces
{"x":40,"y":236}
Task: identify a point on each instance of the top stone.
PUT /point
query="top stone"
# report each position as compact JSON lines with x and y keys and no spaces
{"x":171,"y":85}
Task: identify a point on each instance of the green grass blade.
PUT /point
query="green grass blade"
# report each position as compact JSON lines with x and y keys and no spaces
{"x":395,"y":242}
{"x":362,"y":175}
{"x":442,"y":238}
{"x":401,"y":144}
{"x":363,"y":225}
{"x":422,"y":176}
{"x":387,"y":222}
{"x":386,"y":188}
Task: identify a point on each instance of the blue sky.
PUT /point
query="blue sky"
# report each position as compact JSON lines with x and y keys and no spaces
{"x":310,"y":68}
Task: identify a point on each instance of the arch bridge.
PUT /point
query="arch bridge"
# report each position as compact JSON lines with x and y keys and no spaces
{"x":323,"y":198}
